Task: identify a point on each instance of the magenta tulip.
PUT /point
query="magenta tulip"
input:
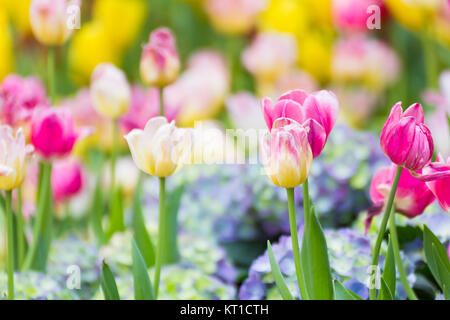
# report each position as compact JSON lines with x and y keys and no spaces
{"x":439,"y":174}
{"x":317,"y":112}
{"x":67,"y":179}
{"x":53,"y":132}
{"x":405,"y":139}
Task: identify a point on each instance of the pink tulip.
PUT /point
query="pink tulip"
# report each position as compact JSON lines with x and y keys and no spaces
{"x":244,"y":111}
{"x":405,"y":139}
{"x":159,"y":62}
{"x":412,"y":196}
{"x":439,"y":174}
{"x":352,"y":15}
{"x":67,"y":179}
{"x":317,"y":112}
{"x":52,"y":132}
{"x":19,"y":97}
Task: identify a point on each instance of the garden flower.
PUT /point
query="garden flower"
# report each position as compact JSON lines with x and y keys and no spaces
{"x":6,"y":43}
{"x":412,"y":196}
{"x":159,"y":61}
{"x":245,"y":111}
{"x":19,"y":97}
{"x":53,"y":132}
{"x":405,"y":139}
{"x":67,"y":179}
{"x":110,"y":91}
{"x":352,"y":15}
{"x":317,"y":112}
{"x":440,"y":186}
{"x":286,"y":153}
{"x":234,"y":16}
{"x":160,"y":148}
{"x":13,"y":158}
{"x":50,"y":20}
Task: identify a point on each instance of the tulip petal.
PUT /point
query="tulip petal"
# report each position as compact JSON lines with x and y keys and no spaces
{"x":137,"y":153}
{"x":317,"y":136}
{"x":415,"y":111}
{"x":297,"y":95}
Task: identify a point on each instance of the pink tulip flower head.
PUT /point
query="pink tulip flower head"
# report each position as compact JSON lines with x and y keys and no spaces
{"x":19,"y":97}
{"x":144,"y":104}
{"x":411,"y":198}
{"x":439,"y":182}
{"x":53,"y":132}
{"x":317,"y":112}
{"x":67,"y":179}
{"x":159,"y":62}
{"x":353,"y":15}
{"x":405,"y":139}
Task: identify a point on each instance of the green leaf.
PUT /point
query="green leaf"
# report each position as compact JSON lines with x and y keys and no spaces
{"x":389,"y":273}
{"x":116,"y":218}
{"x":436,"y":258}
{"x":108,"y":283}
{"x":342,"y":293}
{"x":385,"y":293}
{"x":143,"y":289}
{"x":316,"y":266}
{"x":279,"y":281}
{"x":141,"y":235}
{"x":96,"y":213}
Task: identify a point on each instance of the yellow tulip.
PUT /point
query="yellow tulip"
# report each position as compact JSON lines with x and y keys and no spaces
{"x":414,"y":14}
{"x":285,"y":16}
{"x":6,"y":50}
{"x":19,"y":14}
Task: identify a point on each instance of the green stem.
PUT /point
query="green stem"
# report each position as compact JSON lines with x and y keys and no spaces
{"x":20,"y":229}
{"x":51,"y":73}
{"x":161,"y":101}
{"x":306,"y":207}
{"x":387,"y":211}
{"x":115,"y":135}
{"x":9,"y":222}
{"x":398,"y":260}
{"x":295,"y":246}
{"x":430,"y":60}
{"x":161,"y":228}
{"x":44,"y":190}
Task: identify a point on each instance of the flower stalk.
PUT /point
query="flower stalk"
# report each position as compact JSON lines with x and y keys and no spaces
{"x":9,"y":223}
{"x":161,"y":229}
{"x":20,"y":229}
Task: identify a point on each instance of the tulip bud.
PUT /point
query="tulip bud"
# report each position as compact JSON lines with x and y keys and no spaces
{"x":50,"y":19}
{"x":67,"y":179}
{"x":159,"y":62}
{"x":161,"y":148}
{"x":440,"y":186}
{"x":286,"y":153}
{"x":13,"y":158}
{"x":53,"y":132}
{"x":110,"y":91}
{"x":405,"y":139}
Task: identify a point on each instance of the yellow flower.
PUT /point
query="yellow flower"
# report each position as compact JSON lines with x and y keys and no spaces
{"x":161,"y":148}
{"x":19,"y":14}
{"x":285,"y":16}
{"x":6,"y":51}
{"x":414,"y":14}
{"x":13,"y":158}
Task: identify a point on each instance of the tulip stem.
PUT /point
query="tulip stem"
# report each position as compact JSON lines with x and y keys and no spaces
{"x":9,"y":222}
{"x":161,"y":101}
{"x":306,"y":201}
{"x":51,"y":73}
{"x":387,"y":211}
{"x":115,"y":135}
{"x":295,"y":246}
{"x":20,"y":229}
{"x":161,"y":229}
{"x":398,"y":260}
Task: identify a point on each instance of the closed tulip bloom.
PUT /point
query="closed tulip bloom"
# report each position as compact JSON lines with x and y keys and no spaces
{"x":110,"y":91}
{"x":412,"y":196}
{"x":161,"y":148}
{"x":53,"y":132}
{"x":160,"y":64}
{"x":405,"y":139}
{"x":317,"y":112}
{"x":13,"y":158}
{"x":67,"y":179}
{"x":440,"y":182}
{"x":286,"y":153}
{"x":50,"y":20}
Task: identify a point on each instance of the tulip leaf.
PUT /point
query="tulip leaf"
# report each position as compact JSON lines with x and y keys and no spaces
{"x":143,"y":289}
{"x":385,"y":293}
{"x":279,"y":281}
{"x":342,"y":293}
{"x":436,"y":258}
{"x":315,"y":263}
{"x":171,"y":254}
{"x":108,"y":283}
{"x":96,"y":213}
{"x":116,"y":217}
{"x":141,"y":235}
{"x":389,"y":273}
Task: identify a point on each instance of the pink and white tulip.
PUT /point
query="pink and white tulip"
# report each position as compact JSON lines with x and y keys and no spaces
{"x":160,"y":64}
{"x":67,"y":179}
{"x":317,"y":112}
{"x":405,"y":139}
